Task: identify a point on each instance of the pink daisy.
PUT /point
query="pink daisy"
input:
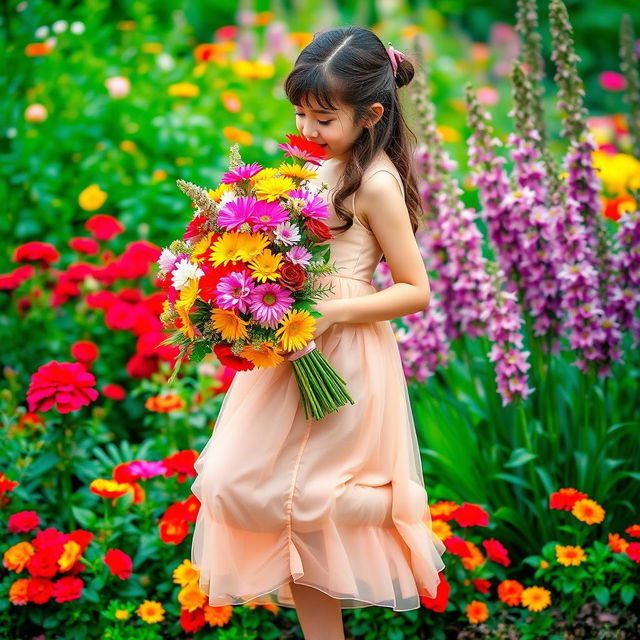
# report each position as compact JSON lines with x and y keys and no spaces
{"x":236,"y":213}
{"x":298,"y":255}
{"x":315,"y":208}
{"x":269,"y":302}
{"x":267,"y":215}
{"x":233,"y":291}
{"x":243,"y":172}
{"x":287,"y":233}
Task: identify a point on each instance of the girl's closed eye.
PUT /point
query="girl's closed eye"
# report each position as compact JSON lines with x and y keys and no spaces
{"x":324,"y":122}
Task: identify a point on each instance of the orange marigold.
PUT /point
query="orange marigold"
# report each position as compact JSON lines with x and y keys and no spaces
{"x":569,"y":555}
{"x":477,"y":611}
{"x":165,"y":403}
{"x":536,"y":598}
{"x":588,"y":511}
{"x":510,"y":592}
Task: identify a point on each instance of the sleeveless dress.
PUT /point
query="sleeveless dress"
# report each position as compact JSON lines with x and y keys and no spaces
{"x":338,"y":504}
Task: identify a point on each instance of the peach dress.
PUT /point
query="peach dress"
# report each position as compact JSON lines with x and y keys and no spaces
{"x":338,"y":504}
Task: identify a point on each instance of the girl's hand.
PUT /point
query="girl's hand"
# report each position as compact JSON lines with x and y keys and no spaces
{"x":328,"y":319}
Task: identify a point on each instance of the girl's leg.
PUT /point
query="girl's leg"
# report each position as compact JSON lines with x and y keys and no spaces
{"x":320,"y":615}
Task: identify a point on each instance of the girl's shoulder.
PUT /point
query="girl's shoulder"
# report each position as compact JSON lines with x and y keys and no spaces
{"x":382,"y":163}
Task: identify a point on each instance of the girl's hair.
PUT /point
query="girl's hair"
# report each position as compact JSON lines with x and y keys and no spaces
{"x":351,"y":65}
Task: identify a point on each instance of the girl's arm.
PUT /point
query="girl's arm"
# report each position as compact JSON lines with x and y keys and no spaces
{"x":386,"y":212}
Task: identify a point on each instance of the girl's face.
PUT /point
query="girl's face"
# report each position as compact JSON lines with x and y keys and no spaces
{"x":332,"y":129}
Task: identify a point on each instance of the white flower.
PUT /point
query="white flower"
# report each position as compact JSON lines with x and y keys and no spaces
{"x":42,"y":32}
{"x":287,"y":233}
{"x":118,"y":86}
{"x":165,"y":61}
{"x":226,"y":197}
{"x":166,"y":260}
{"x":59,"y":26}
{"x":185,"y":271}
{"x":77,"y":28}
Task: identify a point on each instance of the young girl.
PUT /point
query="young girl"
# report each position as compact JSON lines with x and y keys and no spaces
{"x":332,"y":514}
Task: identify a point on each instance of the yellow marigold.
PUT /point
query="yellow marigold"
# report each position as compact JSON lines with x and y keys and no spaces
{"x":71,"y":551}
{"x":264,"y":356}
{"x":271,"y":189}
{"x":229,"y":324}
{"x":19,"y":591}
{"x":151,"y":611}
{"x":476,"y":559}
{"x":186,"y":573}
{"x":184,"y":89}
{"x":91,"y":198}
{"x":121,"y":614}
{"x":191,"y":597}
{"x":536,"y":598}
{"x":588,"y":511}
{"x":297,"y":329}
{"x":569,"y":555}
{"x":233,"y":134}
{"x":442,"y":529}
{"x":296,"y":171}
{"x":217,"y":616}
{"x":16,"y":557}
{"x":619,"y":172}
{"x":544,"y":564}
{"x":477,"y":611}
{"x":265,"y":265}
{"x":252,"y":70}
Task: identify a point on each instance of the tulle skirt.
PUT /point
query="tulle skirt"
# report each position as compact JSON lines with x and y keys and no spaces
{"x":338,"y":504}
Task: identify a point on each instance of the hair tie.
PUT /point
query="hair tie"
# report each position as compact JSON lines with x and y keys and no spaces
{"x":395,"y":57}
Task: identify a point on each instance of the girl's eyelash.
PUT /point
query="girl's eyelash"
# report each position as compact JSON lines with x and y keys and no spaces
{"x":319,"y":121}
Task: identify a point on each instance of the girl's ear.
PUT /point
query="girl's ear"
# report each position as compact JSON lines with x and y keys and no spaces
{"x":376,"y":110}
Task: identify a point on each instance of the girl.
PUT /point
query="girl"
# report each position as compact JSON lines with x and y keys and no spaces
{"x":332,"y":514}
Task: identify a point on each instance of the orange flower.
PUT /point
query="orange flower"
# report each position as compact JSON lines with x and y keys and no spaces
{"x":34,"y":49}
{"x":588,"y":511}
{"x":164,"y":403}
{"x":617,"y":544}
{"x":16,"y":557}
{"x":441,"y":529}
{"x":633,"y":530}
{"x":510,"y":592}
{"x":109,"y":488}
{"x":536,"y":598}
{"x":443,"y":510}
{"x":475,"y":560}
{"x":477,"y":611}
{"x":565,"y":498}
{"x":570,"y":556}
{"x":217,"y":616}
{"x":191,"y":597}
{"x":19,"y":592}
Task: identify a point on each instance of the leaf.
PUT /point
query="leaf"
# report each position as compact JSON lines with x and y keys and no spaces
{"x":199,"y":350}
{"x":602,"y":595}
{"x":520,"y":457}
{"x":627,"y":593}
{"x":86,"y":518}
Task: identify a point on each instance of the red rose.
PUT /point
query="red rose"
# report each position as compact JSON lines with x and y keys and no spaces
{"x":319,"y":229}
{"x":292,"y":276}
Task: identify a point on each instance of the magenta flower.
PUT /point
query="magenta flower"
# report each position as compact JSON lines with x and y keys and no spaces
{"x":287,"y":233}
{"x":267,"y":215}
{"x":146,"y":468}
{"x":236,"y":212}
{"x":233,"y":291}
{"x":269,"y":302}
{"x":315,"y":208}
{"x":612,"y":81}
{"x":243,"y":172}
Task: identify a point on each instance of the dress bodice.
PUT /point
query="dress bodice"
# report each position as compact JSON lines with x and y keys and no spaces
{"x":355,"y":252}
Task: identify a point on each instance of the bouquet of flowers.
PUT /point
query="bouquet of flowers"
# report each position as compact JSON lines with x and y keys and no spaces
{"x":243,"y":280}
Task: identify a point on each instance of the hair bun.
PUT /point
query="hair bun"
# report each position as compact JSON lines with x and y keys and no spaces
{"x":404,"y":72}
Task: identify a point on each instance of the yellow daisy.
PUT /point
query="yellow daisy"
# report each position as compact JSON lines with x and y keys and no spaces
{"x":588,"y":511}
{"x":296,"y":171}
{"x":271,"y":189}
{"x":265,"y":266}
{"x":536,"y":598}
{"x":296,"y":330}
{"x":264,"y":356}
{"x":188,"y":296}
{"x":570,"y":556}
{"x":201,"y":247}
{"x":191,"y":597}
{"x":185,"y":573}
{"x":442,"y":529}
{"x":227,"y":248}
{"x":229,"y":324}
{"x":216,"y":194}
{"x":252,"y":245}
{"x":151,"y":611}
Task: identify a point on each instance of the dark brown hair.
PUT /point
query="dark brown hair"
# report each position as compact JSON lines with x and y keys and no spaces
{"x":351,"y":65}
